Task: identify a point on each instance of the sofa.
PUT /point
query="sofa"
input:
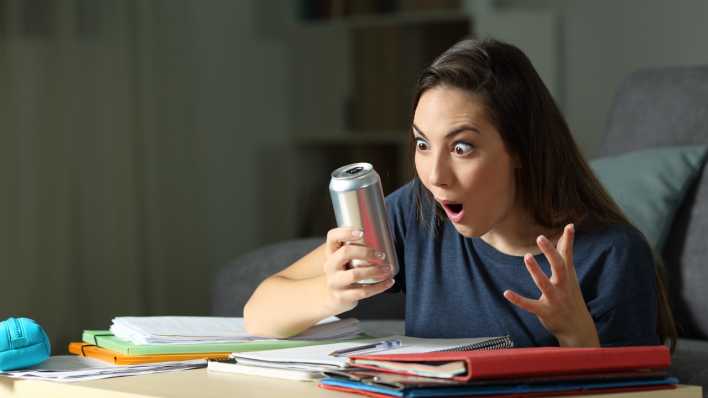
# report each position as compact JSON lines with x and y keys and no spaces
{"x":660,"y":107}
{"x":653,"y":108}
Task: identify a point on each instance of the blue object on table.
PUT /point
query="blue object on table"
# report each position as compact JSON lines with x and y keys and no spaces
{"x":23,"y":343}
{"x":520,"y":389}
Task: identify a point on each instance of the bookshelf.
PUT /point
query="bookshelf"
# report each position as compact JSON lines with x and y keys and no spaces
{"x":356,"y":62}
{"x":341,"y":10}
{"x":317,"y":158}
{"x":401,"y":18}
{"x":355,"y":65}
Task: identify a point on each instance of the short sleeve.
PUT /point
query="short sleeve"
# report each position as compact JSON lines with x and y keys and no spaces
{"x":625,"y":306}
{"x":400,"y":207}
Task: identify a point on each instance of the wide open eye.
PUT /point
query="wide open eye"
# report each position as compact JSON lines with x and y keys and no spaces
{"x":420,"y":144}
{"x":462,"y":148}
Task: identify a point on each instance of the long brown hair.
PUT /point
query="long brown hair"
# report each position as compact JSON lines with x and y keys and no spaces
{"x":555,"y":182}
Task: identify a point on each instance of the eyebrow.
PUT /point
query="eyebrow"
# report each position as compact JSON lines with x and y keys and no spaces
{"x":453,"y":132}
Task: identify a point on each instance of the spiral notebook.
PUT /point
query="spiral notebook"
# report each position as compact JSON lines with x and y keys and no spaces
{"x":318,"y":358}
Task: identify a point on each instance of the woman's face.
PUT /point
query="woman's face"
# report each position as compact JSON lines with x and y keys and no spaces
{"x":461,"y":159}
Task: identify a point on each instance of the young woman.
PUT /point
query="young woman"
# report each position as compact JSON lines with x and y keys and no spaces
{"x":504,"y":230}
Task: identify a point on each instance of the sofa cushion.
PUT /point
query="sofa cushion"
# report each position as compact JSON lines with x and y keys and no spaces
{"x":657,"y":107}
{"x":649,"y":185}
{"x":234,"y":283}
{"x":690,"y":363}
{"x":666,"y":106}
{"x":685,"y":257}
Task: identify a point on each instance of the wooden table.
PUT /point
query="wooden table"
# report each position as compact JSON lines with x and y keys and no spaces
{"x":200,"y":383}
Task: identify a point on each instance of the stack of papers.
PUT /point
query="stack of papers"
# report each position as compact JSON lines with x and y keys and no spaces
{"x":302,"y":363}
{"x":198,"y":330}
{"x":106,"y":339}
{"x":69,"y":368}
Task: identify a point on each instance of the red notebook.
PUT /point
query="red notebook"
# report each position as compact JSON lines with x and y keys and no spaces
{"x":529,"y":362}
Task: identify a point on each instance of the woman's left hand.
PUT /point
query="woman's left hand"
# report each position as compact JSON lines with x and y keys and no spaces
{"x":561,"y":307}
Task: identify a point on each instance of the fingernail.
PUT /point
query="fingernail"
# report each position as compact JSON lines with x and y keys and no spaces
{"x":358,"y":233}
{"x":542,"y":239}
{"x":380,"y":255}
{"x":571,"y":227}
{"x":391,"y":282}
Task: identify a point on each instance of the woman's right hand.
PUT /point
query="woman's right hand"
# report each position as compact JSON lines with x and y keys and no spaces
{"x":343,"y":290}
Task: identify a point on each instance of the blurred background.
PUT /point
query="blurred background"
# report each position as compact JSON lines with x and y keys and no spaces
{"x":145,"y":143}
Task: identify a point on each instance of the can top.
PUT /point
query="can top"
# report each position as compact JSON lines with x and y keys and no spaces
{"x":353,"y":176}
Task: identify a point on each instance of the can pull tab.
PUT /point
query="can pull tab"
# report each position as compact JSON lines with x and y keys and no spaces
{"x":18,"y":338}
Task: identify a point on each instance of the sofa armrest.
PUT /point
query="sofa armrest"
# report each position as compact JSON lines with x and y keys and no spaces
{"x":690,"y":363}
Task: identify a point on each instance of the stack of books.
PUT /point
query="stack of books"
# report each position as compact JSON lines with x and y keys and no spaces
{"x":515,"y":371}
{"x":310,"y":362}
{"x":401,"y":366}
{"x":140,"y":340}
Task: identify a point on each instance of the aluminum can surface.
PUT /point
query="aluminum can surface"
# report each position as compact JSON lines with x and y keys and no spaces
{"x":358,"y":201}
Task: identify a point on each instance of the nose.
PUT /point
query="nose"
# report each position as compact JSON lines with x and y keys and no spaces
{"x":439,"y":173}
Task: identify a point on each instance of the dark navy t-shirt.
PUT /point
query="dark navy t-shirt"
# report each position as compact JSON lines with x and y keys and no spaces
{"x":453,"y":285}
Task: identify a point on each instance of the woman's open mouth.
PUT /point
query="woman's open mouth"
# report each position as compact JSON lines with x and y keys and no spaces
{"x":454,"y":211}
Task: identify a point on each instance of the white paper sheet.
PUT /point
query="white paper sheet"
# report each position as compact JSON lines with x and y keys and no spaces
{"x":69,"y":368}
{"x":189,"y":329}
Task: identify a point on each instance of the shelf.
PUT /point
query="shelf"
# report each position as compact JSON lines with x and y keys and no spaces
{"x":390,"y":19}
{"x":353,"y":138}
{"x":355,"y":73}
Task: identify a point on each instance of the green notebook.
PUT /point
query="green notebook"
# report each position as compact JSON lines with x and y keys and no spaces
{"x":106,"y":339}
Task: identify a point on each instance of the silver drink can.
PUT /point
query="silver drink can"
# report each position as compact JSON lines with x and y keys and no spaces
{"x":357,"y":198}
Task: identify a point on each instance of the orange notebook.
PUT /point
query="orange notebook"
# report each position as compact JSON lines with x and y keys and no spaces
{"x":102,"y":354}
{"x":524,"y":362}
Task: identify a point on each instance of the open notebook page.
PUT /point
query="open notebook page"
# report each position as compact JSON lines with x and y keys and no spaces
{"x":320,"y":354}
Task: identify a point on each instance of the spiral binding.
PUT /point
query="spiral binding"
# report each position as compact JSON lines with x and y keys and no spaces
{"x":490,"y":344}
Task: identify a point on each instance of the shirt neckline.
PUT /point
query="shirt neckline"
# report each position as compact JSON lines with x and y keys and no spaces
{"x":488,"y":251}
